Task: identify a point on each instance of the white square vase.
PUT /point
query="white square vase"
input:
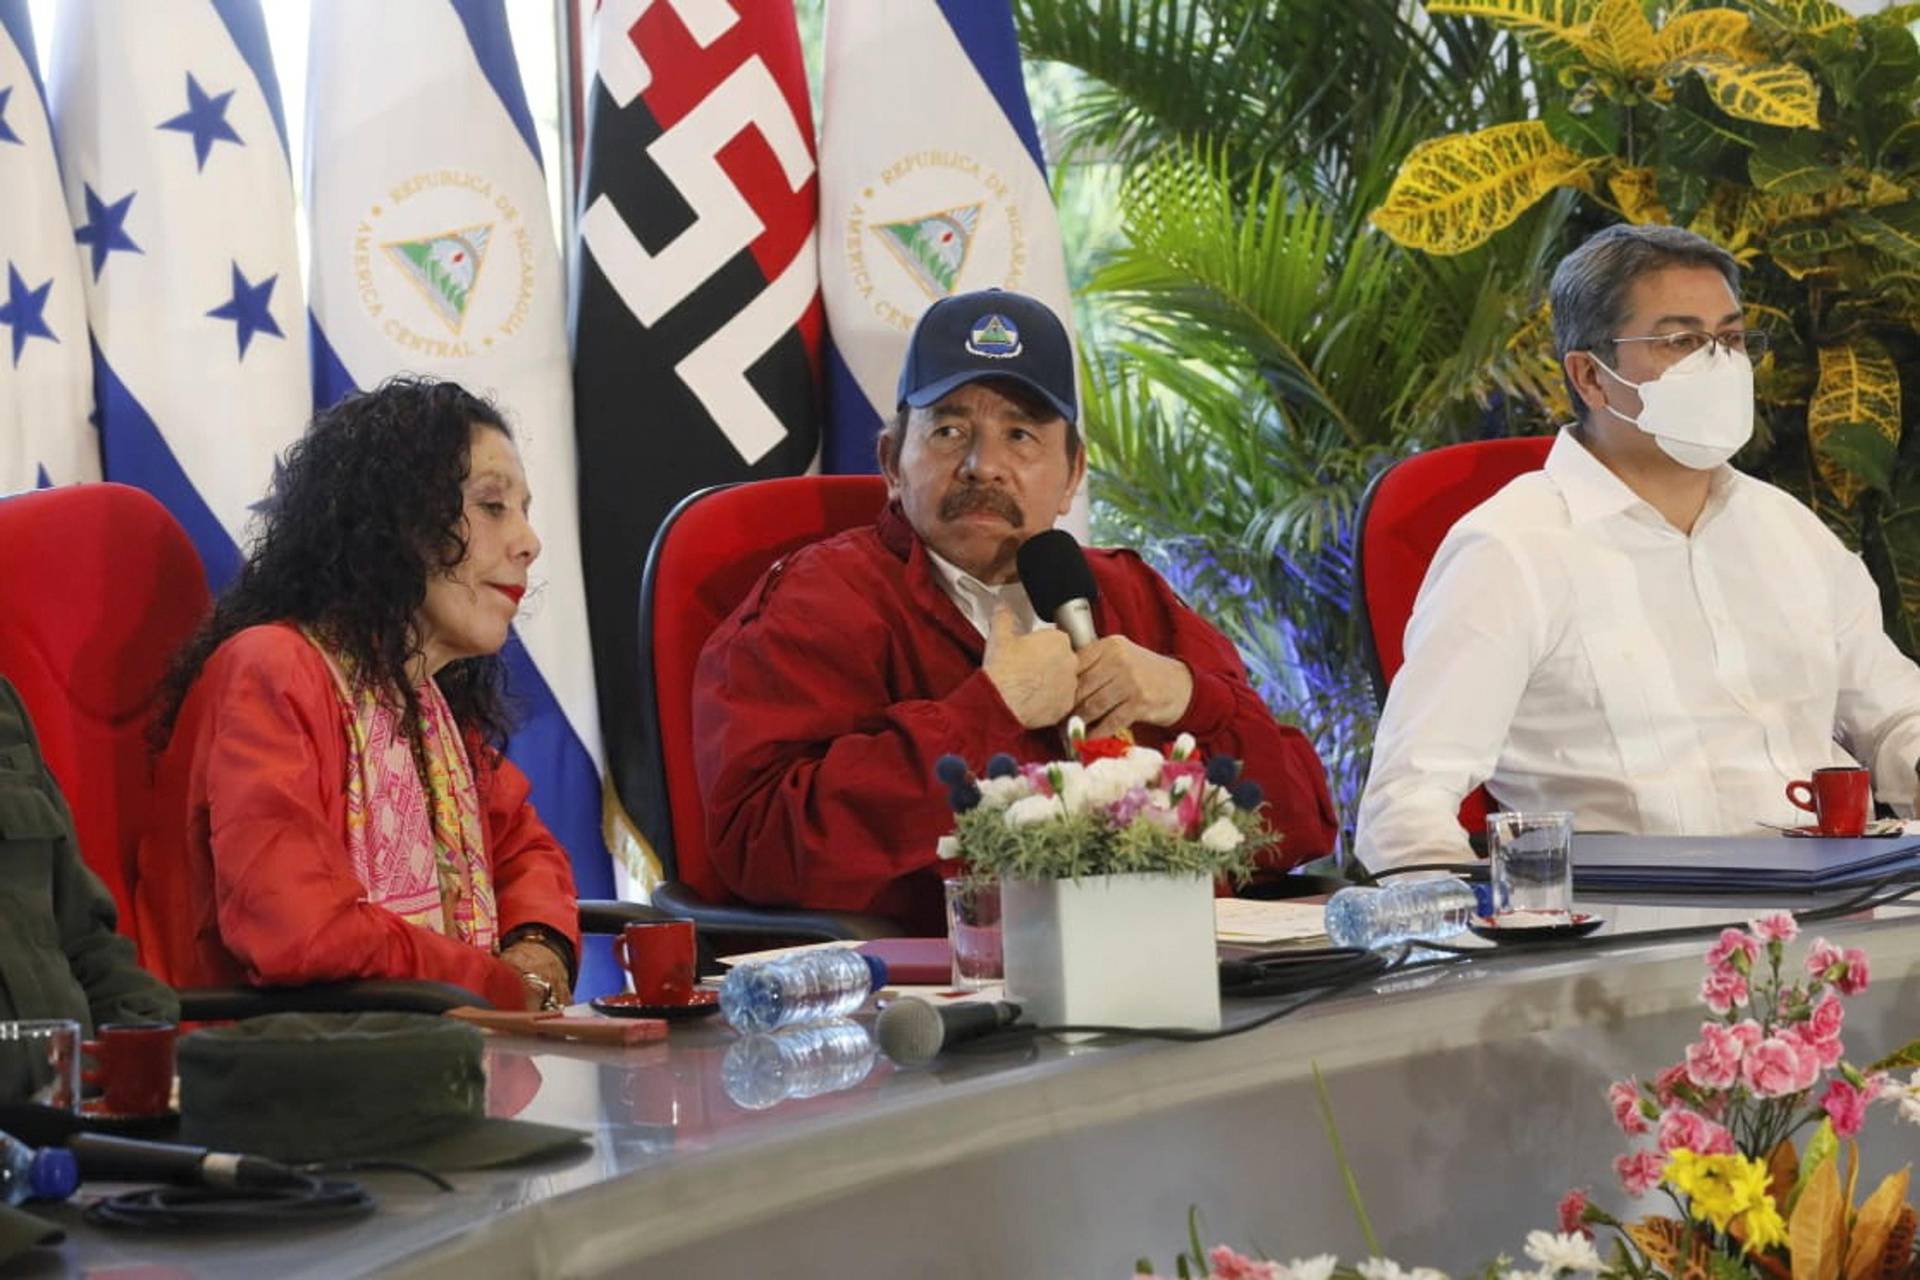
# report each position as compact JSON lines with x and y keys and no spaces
{"x":1124,"y":951}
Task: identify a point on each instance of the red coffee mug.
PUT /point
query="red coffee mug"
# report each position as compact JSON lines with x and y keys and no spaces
{"x":135,"y":1068}
{"x":658,"y":956}
{"x":1840,"y":799}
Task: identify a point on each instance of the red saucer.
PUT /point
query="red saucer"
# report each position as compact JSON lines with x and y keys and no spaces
{"x":703,"y":1001}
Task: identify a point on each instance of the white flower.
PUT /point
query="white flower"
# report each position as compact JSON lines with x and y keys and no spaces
{"x":1108,"y":780}
{"x":949,"y":847}
{"x":1563,"y":1251}
{"x":998,"y":793}
{"x":1183,"y":784}
{"x":1222,"y":836}
{"x":1526,"y":1275}
{"x":1072,"y":786}
{"x":1034,"y":808}
{"x":1183,"y":748}
{"x":1319,"y":1267}
{"x":1907,"y":1096}
{"x":1388,"y":1269}
{"x":1076,"y":728}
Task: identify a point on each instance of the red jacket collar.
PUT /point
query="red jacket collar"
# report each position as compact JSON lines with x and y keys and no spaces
{"x":900,"y":539}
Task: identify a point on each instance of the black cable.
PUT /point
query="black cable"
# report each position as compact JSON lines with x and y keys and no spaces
{"x":307,"y":1197}
{"x":228,"y":1208}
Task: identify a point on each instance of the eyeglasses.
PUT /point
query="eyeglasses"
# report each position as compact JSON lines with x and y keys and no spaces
{"x":1678,"y":346}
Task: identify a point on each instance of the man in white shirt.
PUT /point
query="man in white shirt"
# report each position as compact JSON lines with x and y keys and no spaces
{"x":1639,"y":633}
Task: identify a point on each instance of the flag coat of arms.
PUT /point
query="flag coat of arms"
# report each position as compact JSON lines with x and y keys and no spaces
{"x":174,"y":160}
{"x":433,"y":252}
{"x":46,"y":371}
{"x":923,"y":193}
{"x":697,"y":321}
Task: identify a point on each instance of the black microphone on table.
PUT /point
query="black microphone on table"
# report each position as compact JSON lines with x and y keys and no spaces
{"x":1054,"y":571}
{"x":105,"y":1158}
{"x":912,"y":1031}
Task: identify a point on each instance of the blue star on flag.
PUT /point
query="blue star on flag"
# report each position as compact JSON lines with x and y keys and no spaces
{"x":247,"y":308}
{"x":205,"y":118}
{"x":25,"y":311}
{"x":6,"y":133}
{"x":106,"y":228}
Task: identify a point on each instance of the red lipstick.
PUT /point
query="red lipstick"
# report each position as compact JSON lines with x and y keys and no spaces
{"x":511,"y":593}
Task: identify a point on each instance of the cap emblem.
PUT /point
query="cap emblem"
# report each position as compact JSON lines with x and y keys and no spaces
{"x":995,"y":337}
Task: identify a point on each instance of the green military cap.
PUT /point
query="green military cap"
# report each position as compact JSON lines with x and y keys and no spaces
{"x":327,"y":1087}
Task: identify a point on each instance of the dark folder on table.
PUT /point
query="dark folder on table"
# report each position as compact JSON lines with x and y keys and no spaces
{"x":1738,"y":863}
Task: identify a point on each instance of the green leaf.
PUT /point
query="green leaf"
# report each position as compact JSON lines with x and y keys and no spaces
{"x":1595,"y":132}
{"x":1905,"y":1058}
{"x":1894,"y":229}
{"x":1861,"y":449}
{"x":1792,"y":166}
{"x":1823,"y":1146}
{"x":1346,"y":1166}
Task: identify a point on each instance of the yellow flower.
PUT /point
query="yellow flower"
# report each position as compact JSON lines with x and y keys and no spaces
{"x":1722,"y":1188}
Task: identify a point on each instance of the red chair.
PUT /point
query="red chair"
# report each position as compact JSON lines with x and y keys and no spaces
{"x":100,"y":588}
{"x":1404,"y":515}
{"x":706,"y":556}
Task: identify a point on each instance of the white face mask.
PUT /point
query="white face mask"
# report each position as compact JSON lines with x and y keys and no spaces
{"x":1700,"y":412}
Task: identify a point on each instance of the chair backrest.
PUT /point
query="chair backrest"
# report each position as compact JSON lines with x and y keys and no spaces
{"x":706,"y":556}
{"x":99,"y":588}
{"x":1404,"y":515}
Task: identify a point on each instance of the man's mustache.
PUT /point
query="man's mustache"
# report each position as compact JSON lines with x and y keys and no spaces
{"x":960,"y":502}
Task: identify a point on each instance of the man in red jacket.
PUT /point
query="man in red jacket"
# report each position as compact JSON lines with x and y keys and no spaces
{"x":822,"y":703}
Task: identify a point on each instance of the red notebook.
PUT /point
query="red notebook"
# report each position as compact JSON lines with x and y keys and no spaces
{"x":913,"y":962}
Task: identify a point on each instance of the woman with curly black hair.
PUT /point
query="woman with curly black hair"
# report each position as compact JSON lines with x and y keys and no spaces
{"x":331,"y":799}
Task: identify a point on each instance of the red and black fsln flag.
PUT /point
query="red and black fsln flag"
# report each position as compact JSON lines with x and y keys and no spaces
{"x":697,"y":321}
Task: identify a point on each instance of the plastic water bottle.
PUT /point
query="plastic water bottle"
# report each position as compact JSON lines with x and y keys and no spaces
{"x":1411,"y":911}
{"x":808,"y":986}
{"x":797,"y":1062}
{"x":49,"y":1173}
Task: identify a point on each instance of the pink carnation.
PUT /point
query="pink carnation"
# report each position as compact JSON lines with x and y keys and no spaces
{"x":1854,"y":980}
{"x":1722,"y":989}
{"x":1624,"y":1097}
{"x":1828,"y":1016}
{"x":1224,"y":1264}
{"x":1822,"y":956}
{"x":1573,"y":1213}
{"x":1680,"y":1127}
{"x":1846,"y":1106}
{"x":1713,"y":1062}
{"x":1780,"y":926}
{"x":1737,"y":950}
{"x":1663,"y":1084}
{"x":1640,"y":1171}
{"x":1826,"y":1053}
{"x":1778,"y":1066}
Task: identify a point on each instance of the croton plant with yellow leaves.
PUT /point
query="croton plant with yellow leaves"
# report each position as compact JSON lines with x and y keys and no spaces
{"x":1786,"y":131}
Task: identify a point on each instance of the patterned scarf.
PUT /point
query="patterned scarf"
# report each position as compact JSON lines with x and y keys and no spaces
{"x":416,"y":844}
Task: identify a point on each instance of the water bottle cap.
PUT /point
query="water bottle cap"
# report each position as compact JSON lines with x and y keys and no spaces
{"x":1482,"y":897}
{"x":878,"y":968}
{"x":53,"y":1174}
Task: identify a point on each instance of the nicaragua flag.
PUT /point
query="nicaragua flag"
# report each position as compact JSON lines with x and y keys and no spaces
{"x":173,"y":152}
{"x":434,"y":253}
{"x":922,"y":194}
{"x":697,"y":322}
{"x":46,"y":373}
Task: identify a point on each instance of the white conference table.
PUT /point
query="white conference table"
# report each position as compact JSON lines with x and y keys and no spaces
{"x":1468,"y":1098}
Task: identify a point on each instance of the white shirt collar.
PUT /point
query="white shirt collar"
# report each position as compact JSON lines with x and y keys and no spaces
{"x":977,"y":600}
{"x":1593,"y":492}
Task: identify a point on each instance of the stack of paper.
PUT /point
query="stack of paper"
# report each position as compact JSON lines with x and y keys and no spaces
{"x":1250,"y":922}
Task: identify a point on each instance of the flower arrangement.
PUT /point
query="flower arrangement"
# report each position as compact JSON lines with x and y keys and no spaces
{"x":1715,"y":1133}
{"x":1113,"y":808}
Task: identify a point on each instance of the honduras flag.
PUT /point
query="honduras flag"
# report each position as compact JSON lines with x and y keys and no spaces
{"x":434,"y":253}
{"x":922,"y":194}
{"x":46,"y":374}
{"x":173,"y":153}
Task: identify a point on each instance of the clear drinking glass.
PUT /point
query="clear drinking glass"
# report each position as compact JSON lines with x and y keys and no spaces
{"x":40,"y":1062}
{"x":973,"y":931}
{"x":1532,"y":861}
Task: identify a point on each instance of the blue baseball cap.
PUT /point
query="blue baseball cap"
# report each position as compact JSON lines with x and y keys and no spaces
{"x":990,"y":333}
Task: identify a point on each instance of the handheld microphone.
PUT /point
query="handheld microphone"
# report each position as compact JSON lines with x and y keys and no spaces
{"x":912,"y":1031}
{"x":1054,"y":571}
{"x":105,"y":1158}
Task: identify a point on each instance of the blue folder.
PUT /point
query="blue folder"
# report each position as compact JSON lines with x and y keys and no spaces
{"x":1737,"y":863}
